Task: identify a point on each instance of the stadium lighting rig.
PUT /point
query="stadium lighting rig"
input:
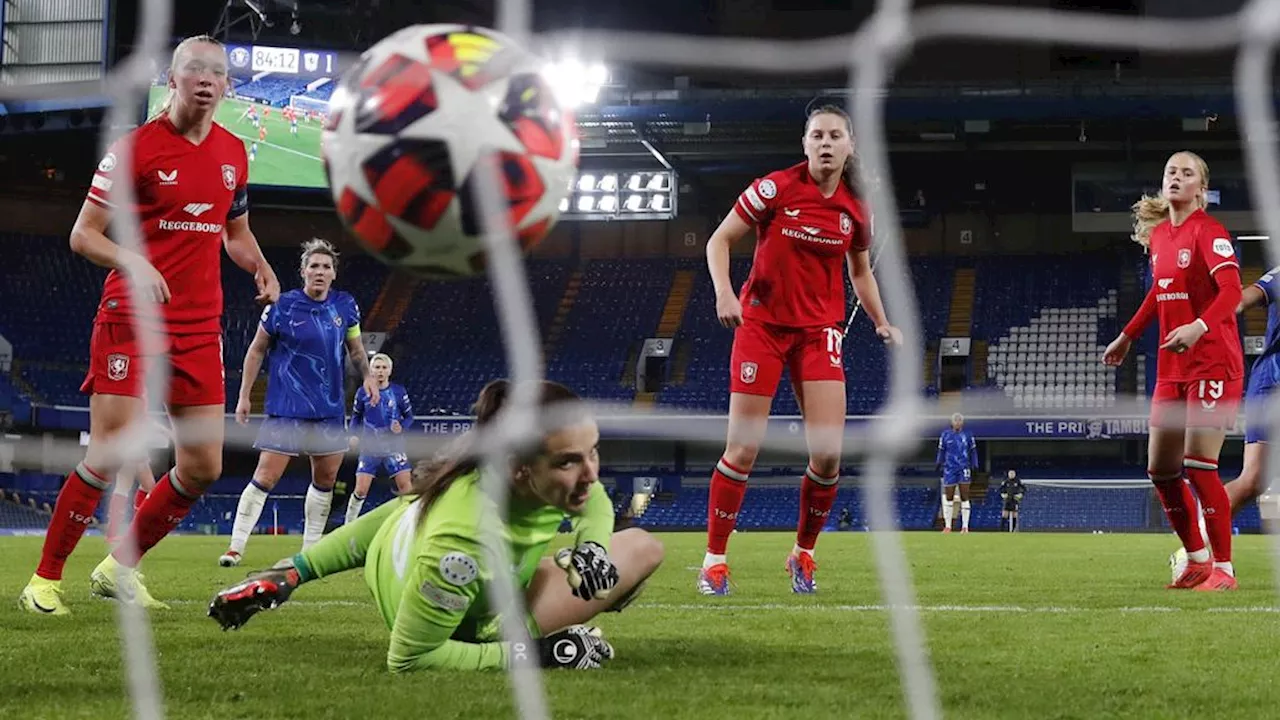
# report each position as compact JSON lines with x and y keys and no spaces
{"x":621,"y":195}
{"x":576,"y":83}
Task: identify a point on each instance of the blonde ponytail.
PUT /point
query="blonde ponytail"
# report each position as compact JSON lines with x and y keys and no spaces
{"x":1148,"y":212}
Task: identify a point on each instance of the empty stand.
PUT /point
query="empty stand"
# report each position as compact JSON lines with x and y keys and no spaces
{"x":1047,"y":324}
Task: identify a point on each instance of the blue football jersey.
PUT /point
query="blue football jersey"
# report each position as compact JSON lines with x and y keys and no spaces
{"x":373,"y":422}
{"x":957,"y":450}
{"x":308,"y":352}
{"x":1270,"y":286}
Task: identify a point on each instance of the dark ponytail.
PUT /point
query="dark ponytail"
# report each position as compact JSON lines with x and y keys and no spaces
{"x":431,"y":478}
{"x":850,"y":173}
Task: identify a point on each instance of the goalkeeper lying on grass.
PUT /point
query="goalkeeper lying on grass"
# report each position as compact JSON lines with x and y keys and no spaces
{"x":423,"y":558}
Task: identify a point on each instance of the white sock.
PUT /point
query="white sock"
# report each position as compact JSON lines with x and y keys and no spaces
{"x":964,"y":514}
{"x":1226,"y":568}
{"x":946,"y":512}
{"x":315,"y":514}
{"x":248,"y":510}
{"x":709,"y":559}
{"x":796,"y":550}
{"x":354,"y":505}
{"x":1199,"y":556}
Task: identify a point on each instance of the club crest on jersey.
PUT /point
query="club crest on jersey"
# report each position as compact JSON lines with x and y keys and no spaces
{"x":229,"y":176}
{"x":1184,"y":258}
{"x":458,"y":569}
{"x":846,"y":223}
{"x":117,"y":366}
{"x":768,"y":189}
{"x":748,"y":372}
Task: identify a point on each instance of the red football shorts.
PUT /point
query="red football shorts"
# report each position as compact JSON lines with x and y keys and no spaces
{"x":1196,"y":403}
{"x":117,"y":367}
{"x":760,"y":352}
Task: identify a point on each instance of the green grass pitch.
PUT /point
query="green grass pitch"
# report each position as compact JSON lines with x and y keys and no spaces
{"x":1019,"y":626}
{"x":282,"y":159}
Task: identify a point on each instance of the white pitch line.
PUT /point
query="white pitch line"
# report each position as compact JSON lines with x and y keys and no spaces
{"x":271,"y":144}
{"x":804,"y":607}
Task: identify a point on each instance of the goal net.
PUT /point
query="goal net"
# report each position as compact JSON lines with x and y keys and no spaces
{"x":308,"y":104}
{"x":870,"y":58}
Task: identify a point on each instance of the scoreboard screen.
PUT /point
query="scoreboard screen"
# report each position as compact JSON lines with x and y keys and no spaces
{"x":300,"y":62}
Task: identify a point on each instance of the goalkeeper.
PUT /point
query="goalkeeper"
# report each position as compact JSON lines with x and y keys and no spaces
{"x":1011,"y":492}
{"x":423,"y":558}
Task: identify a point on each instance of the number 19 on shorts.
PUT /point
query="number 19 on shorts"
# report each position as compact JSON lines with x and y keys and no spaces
{"x":835,"y":345}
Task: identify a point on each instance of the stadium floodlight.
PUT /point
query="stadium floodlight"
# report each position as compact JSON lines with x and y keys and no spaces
{"x":576,"y":83}
{"x":604,"y":194}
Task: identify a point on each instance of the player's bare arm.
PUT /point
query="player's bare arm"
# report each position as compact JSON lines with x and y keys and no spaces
{"x":89,"y":240}
{"x":1252,"y":297}
{"x":360,"y":359}
{"x":253,"y":358}
{"x":242,"y":246}
{"x":868,"y":292}
{"x":731,"y":230}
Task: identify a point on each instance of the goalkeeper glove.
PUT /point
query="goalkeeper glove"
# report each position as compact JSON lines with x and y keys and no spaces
{"x":590,"y":572}
{"x":577,"y":647}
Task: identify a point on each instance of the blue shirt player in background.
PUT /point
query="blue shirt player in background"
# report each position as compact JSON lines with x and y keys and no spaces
{"x":957,"y":459}
{"x":377,"y":427}
{"x":1263,"y":378}
{"x":307,"y":333}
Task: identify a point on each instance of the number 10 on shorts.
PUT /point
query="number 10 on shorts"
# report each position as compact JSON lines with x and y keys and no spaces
{"x":835,"y":344}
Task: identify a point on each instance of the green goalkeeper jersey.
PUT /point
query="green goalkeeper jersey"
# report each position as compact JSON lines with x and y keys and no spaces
{"x":430,"y":577}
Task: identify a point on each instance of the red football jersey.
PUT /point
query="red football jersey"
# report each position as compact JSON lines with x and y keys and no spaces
{"x":1184,"y":260}
{"x":797,"y":276}
{"x":186,"y":193}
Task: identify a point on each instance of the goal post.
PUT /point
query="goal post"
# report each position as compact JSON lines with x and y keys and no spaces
{"x":308,"y":104}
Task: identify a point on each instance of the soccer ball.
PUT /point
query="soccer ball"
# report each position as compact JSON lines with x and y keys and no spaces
{"x":410,"y":123}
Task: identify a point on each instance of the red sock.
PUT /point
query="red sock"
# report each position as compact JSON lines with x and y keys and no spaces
{"x":817,"y":495}
{"x":1203,"y":474}
{"x":1178,"y":503}
{"x":72,"y":513}
{"x":139,"y":497}
{"x":728,"y":487}
{"x":163,"y":509}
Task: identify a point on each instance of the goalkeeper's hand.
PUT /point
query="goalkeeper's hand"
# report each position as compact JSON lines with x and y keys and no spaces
{"x":590,"y":572}
{"x":577,"y":647}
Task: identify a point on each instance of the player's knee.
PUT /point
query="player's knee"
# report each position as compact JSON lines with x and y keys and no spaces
{"x":200,"y":472}
{"x":648,"y":550}
{"x":1161,"y":475}
{"x":1251,"y":480}
{"x":827,"y":466}
{"x":741,"y":457}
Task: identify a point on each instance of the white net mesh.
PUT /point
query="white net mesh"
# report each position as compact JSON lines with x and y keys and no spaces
{"x":870,"y":55}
